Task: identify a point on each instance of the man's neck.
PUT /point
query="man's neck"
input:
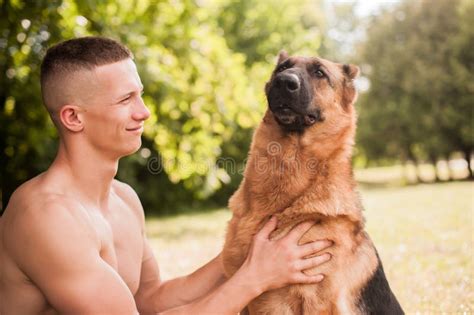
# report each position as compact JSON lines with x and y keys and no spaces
{"x":89,"y":171}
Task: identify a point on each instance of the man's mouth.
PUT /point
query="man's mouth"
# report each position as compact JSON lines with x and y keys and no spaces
{"x":136,"y":129}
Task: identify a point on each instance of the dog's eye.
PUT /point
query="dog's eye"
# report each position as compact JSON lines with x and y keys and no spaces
{"x":320,"y":74}
{"x":282,"y":67}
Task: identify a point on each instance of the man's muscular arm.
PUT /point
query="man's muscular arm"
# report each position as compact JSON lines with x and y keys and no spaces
{"x":171,"y":293}
{"x":54,"y":245}
{"x":155,"y":295}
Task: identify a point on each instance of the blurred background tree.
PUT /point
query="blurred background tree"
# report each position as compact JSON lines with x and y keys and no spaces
{"x":419,"y":59}
{"x":204,"y":64}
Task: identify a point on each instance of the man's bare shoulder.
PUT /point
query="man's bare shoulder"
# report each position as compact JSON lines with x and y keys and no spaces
{"x":130,"y":197}
{"x":34,"y":215}
{"x":36,"y":195}
{"x":26,"y":191}
{"x":34,"y":192}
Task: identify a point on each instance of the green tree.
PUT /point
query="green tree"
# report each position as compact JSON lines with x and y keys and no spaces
{"x":27,"y":140}
{"x":419,"y":105}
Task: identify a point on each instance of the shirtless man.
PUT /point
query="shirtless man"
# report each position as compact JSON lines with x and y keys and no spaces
{"x":72,"y":240}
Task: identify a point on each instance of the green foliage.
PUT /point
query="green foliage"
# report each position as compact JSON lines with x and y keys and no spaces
{"x":419,"y":61}
{"x":28,"y":139}
{"x":204,"y":92}
{"x":260,"y":28}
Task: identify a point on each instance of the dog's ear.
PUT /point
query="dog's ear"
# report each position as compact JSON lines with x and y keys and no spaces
{"x":350,"y":71}
{"x":282,"y":56}
{"x":349,"y":95}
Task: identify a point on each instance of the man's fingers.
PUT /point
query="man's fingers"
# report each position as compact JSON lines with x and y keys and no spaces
{"x":305,"y":279}
{"x":297,"y":232}
{"x":268,"y":228}
{"x":314,"y":247}
{"x":315,"y":261}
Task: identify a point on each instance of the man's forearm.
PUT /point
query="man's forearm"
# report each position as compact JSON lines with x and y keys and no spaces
{"x":229,"y":298}
{"x":184,"y":290}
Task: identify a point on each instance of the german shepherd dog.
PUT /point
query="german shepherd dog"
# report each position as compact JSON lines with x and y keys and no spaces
{"x":299,"y":169}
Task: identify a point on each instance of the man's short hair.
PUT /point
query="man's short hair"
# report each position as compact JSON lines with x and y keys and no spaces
{"x":73,"y":55}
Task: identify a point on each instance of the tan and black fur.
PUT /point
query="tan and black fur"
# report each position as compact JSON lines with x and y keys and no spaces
{"x":299,"y":168}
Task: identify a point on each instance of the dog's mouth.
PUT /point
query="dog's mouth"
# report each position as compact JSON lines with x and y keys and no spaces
{"x":294,"y":121}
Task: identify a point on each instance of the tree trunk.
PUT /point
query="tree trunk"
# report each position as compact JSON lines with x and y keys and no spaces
{"x":412,"y":157}
{"x":405,"y":177}
{"x":417,"y":172}
{"x":433,"y":161}
{"x":467,"y":157}
{"x":451,"y":176}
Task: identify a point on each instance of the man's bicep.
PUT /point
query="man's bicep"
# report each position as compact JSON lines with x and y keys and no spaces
{"x":58,"y":251}
{"x":149,"y":280}
{"x":94,"y":288}
{"x":150,"y":271}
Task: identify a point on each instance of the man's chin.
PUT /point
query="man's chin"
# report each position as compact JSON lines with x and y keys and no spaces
{"x":132,"y":149}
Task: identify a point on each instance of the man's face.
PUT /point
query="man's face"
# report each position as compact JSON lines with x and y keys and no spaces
{"x":114,"y":110}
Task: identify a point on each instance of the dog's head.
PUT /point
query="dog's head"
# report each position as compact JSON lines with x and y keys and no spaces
{"x":311,"y":94}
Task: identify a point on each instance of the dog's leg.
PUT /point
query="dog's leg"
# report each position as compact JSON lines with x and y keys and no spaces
{"x":275,"y":302}
{"x":377,"y":297}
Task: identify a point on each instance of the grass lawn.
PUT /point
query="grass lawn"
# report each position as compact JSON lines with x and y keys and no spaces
{"x":424,"y":234}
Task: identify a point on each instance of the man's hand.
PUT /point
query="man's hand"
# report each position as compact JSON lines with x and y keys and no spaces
{"x":274,"y":264}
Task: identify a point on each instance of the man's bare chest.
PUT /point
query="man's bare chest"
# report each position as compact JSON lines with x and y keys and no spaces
{"x":121,"y":239}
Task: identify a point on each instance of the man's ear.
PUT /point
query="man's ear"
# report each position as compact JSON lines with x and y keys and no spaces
{"x":70,"y":117}
{"x":282,"y":56}
{"x":350,"y":71}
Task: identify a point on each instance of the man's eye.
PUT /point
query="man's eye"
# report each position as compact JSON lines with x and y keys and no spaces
{"x":319,"y":74}
{"x":125,"y":99}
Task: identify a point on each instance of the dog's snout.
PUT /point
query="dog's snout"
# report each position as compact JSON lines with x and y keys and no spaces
{"x":290,"y":82}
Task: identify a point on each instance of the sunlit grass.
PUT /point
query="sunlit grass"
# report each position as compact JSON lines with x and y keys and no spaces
{"x":424,"y":234}
{"x":185,"y":242}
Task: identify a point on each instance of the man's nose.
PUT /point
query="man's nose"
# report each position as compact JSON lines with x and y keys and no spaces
{"x":141,"y":111}
{"x":289,"y":81}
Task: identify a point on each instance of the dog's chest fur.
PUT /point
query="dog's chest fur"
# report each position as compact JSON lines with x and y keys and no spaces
{"x":278,"y":172}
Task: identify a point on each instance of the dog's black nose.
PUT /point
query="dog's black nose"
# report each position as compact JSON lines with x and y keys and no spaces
{"x":290,"y":82}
